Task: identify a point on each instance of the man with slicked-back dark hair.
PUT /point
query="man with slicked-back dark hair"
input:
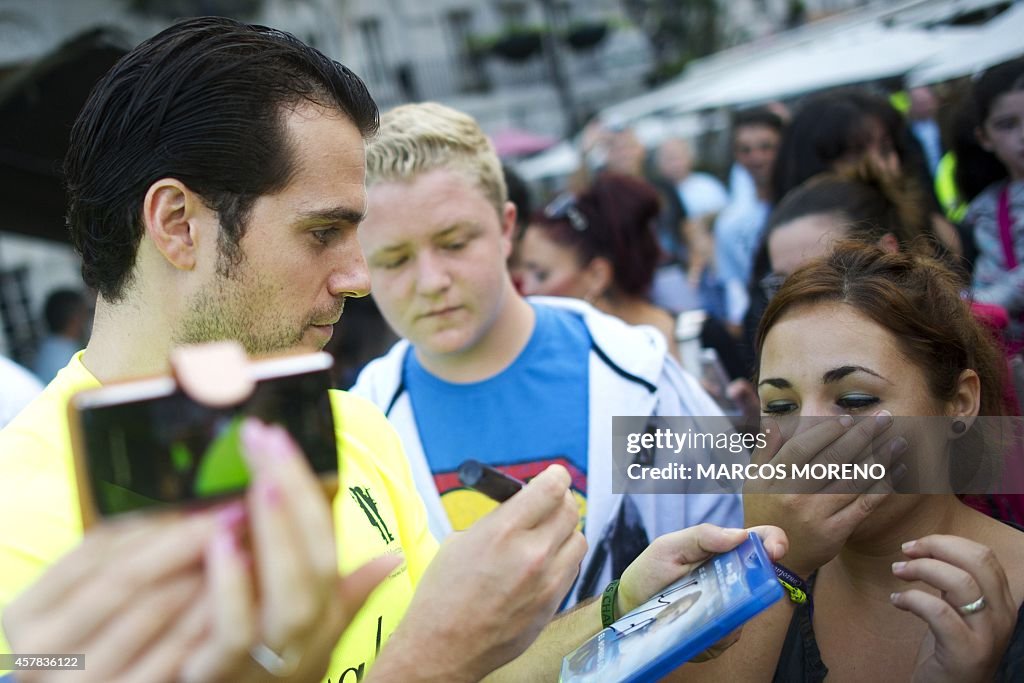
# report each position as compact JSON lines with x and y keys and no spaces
{"x":216,"y":180}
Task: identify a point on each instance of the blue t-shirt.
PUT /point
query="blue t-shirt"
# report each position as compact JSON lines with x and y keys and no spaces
{"x":533,"y":414}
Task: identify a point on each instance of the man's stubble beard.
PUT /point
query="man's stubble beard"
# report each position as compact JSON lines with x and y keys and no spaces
{"x":233,"y":307}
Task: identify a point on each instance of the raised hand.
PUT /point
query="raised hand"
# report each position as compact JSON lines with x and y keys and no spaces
{"x":970,"y":622}
{"x":819,"y":521}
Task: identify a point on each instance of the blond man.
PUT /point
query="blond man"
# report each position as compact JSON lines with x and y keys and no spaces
{"x":483,"y":373}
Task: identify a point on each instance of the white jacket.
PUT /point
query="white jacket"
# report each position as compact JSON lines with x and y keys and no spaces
{"x":631,"y":373}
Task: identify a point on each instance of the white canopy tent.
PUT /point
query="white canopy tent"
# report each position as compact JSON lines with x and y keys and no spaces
{"x":866,"y":37}
{"x":998,"y":41}
{"x":861,"y":54}
{"x":866,"y":54}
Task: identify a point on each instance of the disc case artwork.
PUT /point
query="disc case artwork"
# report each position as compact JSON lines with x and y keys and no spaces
{"x":682,"y":621}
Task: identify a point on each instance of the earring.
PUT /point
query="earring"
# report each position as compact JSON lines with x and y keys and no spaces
{"x":959,"y":426}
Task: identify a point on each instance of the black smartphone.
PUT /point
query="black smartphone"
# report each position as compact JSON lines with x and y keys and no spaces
{"x":147,"y":443}
{"x":489,"y":481}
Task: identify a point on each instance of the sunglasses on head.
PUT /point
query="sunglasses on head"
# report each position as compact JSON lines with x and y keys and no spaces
{"x":563,"y":207}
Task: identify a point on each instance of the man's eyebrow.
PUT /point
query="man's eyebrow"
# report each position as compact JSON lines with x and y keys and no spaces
{"x":440,"y":235}
{"x":837,"y":374}
{"x":388,"y":249}
{"x":455,"y":227}
{"x":776,"y":382}
{"x":338,"y":214}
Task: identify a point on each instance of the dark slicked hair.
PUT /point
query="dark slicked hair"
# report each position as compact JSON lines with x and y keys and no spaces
{"x":204,"y":101}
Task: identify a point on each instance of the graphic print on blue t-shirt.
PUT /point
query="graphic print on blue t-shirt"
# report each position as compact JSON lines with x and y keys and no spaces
{"x":533,"y":414}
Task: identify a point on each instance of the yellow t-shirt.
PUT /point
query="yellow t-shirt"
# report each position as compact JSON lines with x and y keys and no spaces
{"x":377,"y":509}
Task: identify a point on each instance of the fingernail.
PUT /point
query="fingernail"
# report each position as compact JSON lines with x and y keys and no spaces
{"x":899,"y":445}
{"x":897,"y":566}
{"x":894,"y":597}
{"x":254,"y":436}
{"x":899,"y":471}
{"x":908,"y":545}
{"x":883,"y":419}
{"x":846,"y":421}
{"x":280,"y":443}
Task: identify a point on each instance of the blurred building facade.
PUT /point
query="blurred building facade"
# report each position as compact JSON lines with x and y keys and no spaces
{"x":510,"y":63}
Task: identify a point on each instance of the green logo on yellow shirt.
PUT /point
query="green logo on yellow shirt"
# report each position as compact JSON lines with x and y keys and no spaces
{"x":369,"y":507}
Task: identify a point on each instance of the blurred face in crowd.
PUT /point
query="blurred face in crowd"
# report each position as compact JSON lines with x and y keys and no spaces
{"x":923,"y":104}
{"x":626,"y":153}
{"x":880,"y":150}
{"x":674,"y":159}
{"x":437,"y":249}
{"x":797,"y":242}
{"x":550,"y":268}
{"x":755,"y":148}
{"x":300,"y":253}
{"x":1002,"y":133}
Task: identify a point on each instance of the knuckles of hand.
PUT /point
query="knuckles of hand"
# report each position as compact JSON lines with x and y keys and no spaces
{"x":967,"y":584}
{"x":535,"y":561}
{"x":550,"y":487}
{"x":985,"y":559}
{"x":832,"y":455}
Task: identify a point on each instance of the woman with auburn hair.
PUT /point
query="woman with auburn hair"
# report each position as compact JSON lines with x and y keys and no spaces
{"x":600,"y":247}
{"x":901,"y":586}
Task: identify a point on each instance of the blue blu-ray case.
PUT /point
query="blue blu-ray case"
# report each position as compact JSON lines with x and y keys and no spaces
{"x":682,"y":621}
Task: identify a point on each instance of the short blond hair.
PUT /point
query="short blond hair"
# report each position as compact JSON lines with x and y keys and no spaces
{"x":419,"y":138}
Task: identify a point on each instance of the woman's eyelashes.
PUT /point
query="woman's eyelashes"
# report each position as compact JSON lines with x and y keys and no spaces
{"x":853,"y":402}
{"x":778,"y":407}
{"x":847,"y":403}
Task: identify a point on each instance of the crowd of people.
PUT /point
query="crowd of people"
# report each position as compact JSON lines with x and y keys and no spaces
{"x":228,"y":182}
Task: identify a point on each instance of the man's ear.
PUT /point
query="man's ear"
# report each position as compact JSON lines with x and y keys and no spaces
{"x":508,"y":228}
{"x":169,"y":211}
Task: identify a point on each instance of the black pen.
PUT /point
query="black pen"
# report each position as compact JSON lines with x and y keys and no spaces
{"x":493,"y":483}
